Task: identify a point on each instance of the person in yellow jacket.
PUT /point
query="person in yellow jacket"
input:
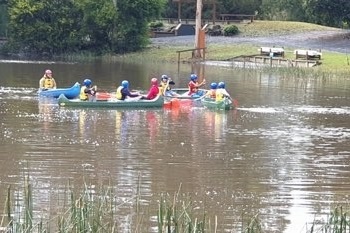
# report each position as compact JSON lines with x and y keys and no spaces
{"x":212,"y":92}
{"x":87,"y":92}
{"x":221,"y":92}
{"x":47,"y":81}
{"x":164,"y":86}
{"x":123,"y":91}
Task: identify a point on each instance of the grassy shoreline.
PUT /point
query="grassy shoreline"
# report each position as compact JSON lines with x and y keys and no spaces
{"x":332,"y":62}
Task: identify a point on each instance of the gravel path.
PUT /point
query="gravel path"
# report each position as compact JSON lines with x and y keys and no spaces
{"x":333,"y":40}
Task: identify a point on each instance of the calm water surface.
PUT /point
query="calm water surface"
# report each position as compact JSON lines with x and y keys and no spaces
{"x":284,"y":153}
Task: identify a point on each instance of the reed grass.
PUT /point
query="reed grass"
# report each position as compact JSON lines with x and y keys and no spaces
{"x":338,"y":221}
{"x":177,"y":216}
{"x":97,"y":211}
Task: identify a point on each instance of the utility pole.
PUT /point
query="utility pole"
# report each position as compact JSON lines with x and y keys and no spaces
{"x":197,"y":52}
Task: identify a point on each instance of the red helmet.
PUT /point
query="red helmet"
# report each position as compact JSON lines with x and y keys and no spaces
{"x":154,"y":81}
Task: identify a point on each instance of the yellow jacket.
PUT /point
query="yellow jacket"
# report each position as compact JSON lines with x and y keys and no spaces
{"x":83,"y":95}
{"x":47,"y":83}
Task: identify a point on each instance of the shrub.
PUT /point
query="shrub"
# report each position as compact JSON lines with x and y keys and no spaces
{"x":215,"y":30}
{"x":231,"y":30}
{"x":155,"y":25}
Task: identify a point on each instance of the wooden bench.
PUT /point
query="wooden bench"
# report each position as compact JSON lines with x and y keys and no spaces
{"x":236,"y":17}
{"x":308,"y":54}
{"x":272,"y":51}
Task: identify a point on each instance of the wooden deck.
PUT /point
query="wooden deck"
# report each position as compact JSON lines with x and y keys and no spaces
{"x":257,"y":61}
{"x":277,"y":61}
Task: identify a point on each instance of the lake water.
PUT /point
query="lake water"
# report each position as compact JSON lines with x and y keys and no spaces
{"x":284,"y":153}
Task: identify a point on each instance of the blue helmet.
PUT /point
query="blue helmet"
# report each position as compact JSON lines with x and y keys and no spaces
{"x":221,"y":85}
{"x":213,"y":85}
{"x":87,"y":82}
{"x":125,"y":84}
{"x":164,"y":76}
{"x":193,"y":77}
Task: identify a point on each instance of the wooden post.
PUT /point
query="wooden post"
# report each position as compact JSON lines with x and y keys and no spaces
{"x":197,"y":53}
{"x":214,"y":11}
{"x":179,"y":11}
{"x":201,"y":43}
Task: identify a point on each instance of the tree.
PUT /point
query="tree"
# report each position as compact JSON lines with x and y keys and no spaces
{"x":131,"y":32}
{"x":292,"y":10}
{"x":45,"y":26}
{"x":239,"y":6}
{"x":98,"y":24}
{"x":328,"y":12}
{"x":65,"y":26}
{"x":3,"y":19}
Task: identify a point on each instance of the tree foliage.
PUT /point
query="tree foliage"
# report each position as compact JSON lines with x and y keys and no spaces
{"x":98,"y":24}
{"x":62,"y":26}
{"x":132,"y":23}
{"x":238,"y":6}
{"x":46,"y":27}
{"x":328,"y":12}
{"x":3,"y":20}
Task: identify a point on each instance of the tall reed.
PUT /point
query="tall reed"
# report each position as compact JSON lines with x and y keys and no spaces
{"x":337,"y":222}
{"x":97,"y":211}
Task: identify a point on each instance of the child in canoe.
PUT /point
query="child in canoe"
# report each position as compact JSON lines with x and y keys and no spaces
{"x":164,"y":87}
{"x":153,"y":91}
{"x":47,"y":81}
{"x":212,"y":92}
{"x":194,"y":86}
{"x":123,"y":91}
{"x":87,"y":91}
{"x":221,"y":92}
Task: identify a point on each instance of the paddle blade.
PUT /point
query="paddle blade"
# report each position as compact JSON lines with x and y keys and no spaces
{"x":103,"y":96}
{"x":175,"y":103}
{"x":235,"y":103}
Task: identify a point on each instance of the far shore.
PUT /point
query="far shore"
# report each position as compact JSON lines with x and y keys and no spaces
{"x":333,"y":42}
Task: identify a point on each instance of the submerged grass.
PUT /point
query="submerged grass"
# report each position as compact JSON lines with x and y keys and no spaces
{"x":331,"y":62}
{"x":97,"y":211}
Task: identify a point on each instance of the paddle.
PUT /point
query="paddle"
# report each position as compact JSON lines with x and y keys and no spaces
{"x":235,"y":103}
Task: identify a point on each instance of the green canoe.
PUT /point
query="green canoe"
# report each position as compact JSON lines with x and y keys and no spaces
{"x":112,"y":104}
{"x":225,"y":104}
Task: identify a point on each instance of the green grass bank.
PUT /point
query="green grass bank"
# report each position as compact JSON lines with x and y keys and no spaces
{"x":332,"y":62}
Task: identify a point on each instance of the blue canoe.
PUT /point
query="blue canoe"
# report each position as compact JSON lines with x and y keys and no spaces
{"x":182,"y":94}
{"x":69,"y":93}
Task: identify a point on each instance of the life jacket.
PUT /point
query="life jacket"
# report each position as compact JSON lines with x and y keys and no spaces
{"x":212,"y":94}
{"x":48,"y":82}
{"x":163,"y":88}
{"x":119,"y":95}
{"x":219,"y":95}
{"x":192,"y":87}
{"x":83,"y":95}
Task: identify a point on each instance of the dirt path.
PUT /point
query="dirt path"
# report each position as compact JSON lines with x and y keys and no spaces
{"x":333,"y":40}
